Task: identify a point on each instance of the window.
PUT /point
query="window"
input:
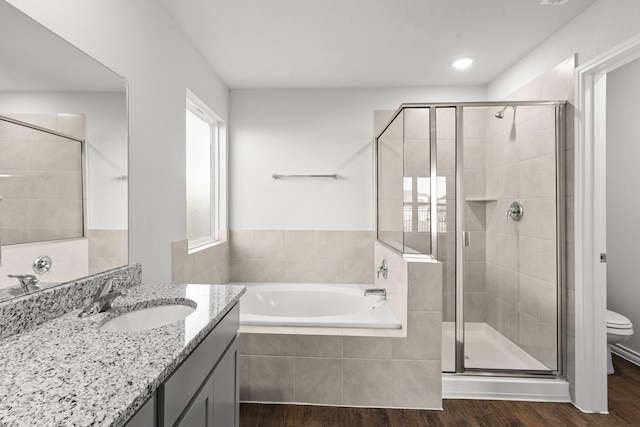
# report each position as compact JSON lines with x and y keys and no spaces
{"x":205,"y":174}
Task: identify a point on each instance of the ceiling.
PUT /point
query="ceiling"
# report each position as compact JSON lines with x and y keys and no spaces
{"x":34,"y":59}
{"x":365,"y":43}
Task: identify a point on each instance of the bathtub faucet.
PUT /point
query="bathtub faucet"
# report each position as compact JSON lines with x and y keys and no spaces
{"x":382,"y":292}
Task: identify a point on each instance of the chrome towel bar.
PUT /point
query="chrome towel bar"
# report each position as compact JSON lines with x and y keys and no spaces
{"x":278,"y":176}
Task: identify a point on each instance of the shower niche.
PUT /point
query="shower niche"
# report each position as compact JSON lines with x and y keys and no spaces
{"x":446,"y":178}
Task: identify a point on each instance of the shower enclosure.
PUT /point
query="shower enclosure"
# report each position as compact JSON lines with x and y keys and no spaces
{"x":478,"y":186}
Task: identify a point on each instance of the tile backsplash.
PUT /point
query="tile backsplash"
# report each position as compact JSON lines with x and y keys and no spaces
{"x":302,"y":256}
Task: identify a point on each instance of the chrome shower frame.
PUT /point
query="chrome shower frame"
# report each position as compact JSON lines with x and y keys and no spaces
{"x":561,"y":273}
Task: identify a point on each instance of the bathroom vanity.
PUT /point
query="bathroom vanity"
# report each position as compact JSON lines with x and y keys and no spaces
{"x":68,"y":371}
{"x":184,"y":399}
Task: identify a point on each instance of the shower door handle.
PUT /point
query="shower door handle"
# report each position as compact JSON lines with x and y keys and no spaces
{"x":466,"y":238}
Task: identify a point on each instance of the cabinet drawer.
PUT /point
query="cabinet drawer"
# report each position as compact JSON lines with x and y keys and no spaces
{"x":180,"y":388}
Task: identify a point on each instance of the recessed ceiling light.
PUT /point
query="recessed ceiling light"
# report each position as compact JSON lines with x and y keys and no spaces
{"x":463,"y":63}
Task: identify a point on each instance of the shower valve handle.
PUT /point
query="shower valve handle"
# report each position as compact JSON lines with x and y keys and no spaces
{"x":516,"y":211}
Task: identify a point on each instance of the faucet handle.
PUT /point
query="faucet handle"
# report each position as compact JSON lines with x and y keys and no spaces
{"x":23,"y":276}
{"x":384,"y":269}
{"x":26,"y":280}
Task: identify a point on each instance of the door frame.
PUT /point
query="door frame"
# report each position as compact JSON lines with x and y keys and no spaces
{"x":590,"y":382}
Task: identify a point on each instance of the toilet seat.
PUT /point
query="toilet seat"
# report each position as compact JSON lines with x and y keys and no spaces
{"x":618,"y":324}
{"x":619,"y":329}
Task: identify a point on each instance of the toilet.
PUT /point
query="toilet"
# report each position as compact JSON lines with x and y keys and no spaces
{"x":619,"y":329}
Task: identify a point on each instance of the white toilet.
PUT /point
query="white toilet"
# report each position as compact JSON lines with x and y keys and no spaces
{"x":619,"y":329}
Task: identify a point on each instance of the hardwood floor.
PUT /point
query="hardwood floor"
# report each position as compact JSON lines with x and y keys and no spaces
{"x":624,"y":410}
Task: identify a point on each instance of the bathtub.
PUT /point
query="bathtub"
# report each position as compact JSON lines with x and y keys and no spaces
{"x":319,"y":305}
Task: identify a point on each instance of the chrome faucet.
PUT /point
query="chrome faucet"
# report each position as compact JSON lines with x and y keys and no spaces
{"x":104,"y":297}
{"x":28,"y":282}
{"x":384,"y":269}
{"x":376,"y":291}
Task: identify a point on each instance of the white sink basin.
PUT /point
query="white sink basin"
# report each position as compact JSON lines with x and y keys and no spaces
{"x":148,"y":318}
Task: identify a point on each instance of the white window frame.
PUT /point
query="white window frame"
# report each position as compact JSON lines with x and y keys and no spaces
{"x":218,"y":208}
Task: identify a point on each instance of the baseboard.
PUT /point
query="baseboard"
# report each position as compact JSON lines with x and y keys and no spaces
{"x":626,"y":353}
{"x":496,"y":388}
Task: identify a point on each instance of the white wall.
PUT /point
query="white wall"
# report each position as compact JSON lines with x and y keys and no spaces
{"x":139,"y":40}
{"x":605,"y":24}
{"x":623,"y":205}
{"x":106,"y":114}
{"x":311,"y":131}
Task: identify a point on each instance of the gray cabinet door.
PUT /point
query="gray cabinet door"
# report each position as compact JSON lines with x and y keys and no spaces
{"x":146,"y":415}
{"x":226,"y":389}
{"x":199,"y":413}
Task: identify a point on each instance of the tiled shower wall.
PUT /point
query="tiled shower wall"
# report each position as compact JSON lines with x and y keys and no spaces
{"x":521,"y":257}
{"x":42,"y":200}
{"x":377,"y":370}
{"x":302,"y":256}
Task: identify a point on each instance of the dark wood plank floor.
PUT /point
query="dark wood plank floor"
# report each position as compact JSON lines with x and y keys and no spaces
{"x":624,"y":410}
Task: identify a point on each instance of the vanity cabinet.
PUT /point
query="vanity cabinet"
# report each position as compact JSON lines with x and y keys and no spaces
{"x":146,"y":416}
{"x":216,"y":402}
{"x":204,"y":390}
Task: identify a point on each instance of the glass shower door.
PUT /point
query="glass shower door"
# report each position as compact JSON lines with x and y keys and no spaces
{"x":509,"y":259}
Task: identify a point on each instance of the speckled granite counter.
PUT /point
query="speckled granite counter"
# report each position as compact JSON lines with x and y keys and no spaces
{"x":67,"y":372}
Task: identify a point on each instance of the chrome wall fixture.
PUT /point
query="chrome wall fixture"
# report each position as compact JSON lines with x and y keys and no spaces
{"x":383,"y":269}
{"x":42,"y":264}
{"x":279,"y":176}
{"x":516,"y":211}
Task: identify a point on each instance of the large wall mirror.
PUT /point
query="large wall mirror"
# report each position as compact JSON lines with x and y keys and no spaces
{"x":63,"y":158}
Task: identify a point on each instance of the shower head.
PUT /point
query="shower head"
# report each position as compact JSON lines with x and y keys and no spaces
{"x":500,"y":114}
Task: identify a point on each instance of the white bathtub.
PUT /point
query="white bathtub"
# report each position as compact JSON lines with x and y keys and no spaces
{"x":320,"y":305}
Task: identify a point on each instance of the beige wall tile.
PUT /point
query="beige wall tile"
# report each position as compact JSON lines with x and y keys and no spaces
{"x":180,"y":262}
{"x":244,"y":343}
{"x":98,"y":264}
{"x":244,"y":378}
{"x":44,"y":213}
{"x":318,"y":346}
{"x":367,"y":347}
{"x":271,"y":379}
{"x":43,"y":234}
{"x":299,"y":270}
{"x":358,"y":245}
{"x":329,"y":244}
{"x":271,"y":344}
{"x":328,"y":271}
{"x":358,"y":271}
{"x":269,"y":244}
{"x":318,"y":380}
{"x":367,"y":382}
{"x":475,"y":306}
{"x":425,"y":286}
{"x":242,"y":244}
{"x":299,"y":244}
{"x":417,"y":384}
{"x":102,"y":243}
{"x":255,"y":270}
{"x":424,"y":337}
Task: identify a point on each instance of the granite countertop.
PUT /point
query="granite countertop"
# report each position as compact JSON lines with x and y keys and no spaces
{"x":67,"y":372}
